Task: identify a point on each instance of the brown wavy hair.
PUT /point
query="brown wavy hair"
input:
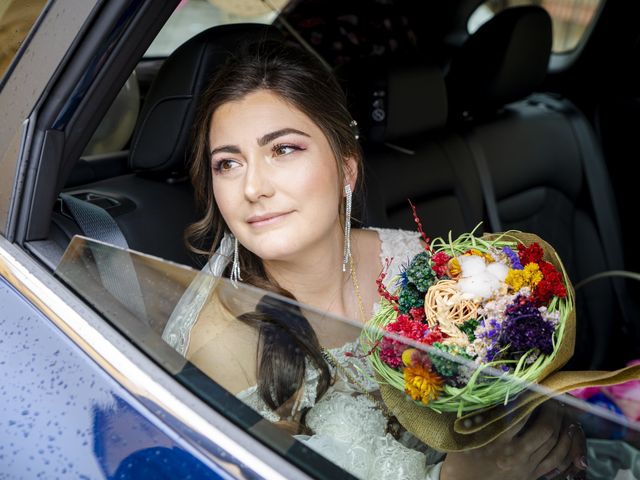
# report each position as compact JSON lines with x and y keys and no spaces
{"x":299,"y":79}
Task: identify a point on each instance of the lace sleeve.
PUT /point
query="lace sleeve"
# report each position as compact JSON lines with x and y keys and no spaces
{"x":399,"y":246}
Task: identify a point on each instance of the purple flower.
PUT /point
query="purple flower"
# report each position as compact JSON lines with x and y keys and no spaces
{"x":513,"y":258}
{"x":525,"y":329}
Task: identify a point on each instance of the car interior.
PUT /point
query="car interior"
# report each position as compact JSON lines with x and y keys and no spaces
{"x":473,"y":129}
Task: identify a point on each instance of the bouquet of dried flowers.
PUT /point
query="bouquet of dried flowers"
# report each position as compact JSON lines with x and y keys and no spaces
{"x":470,"y":325}
{"x":481,"y":306}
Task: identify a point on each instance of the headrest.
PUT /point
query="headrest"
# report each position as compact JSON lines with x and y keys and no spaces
{"x":400,"y":102}
{"x":505,"y":60}
{"x":160,"y":142}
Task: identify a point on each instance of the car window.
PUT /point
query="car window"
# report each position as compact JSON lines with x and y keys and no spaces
{"x":193,"y":16}
{"x":16,"y":19}
{"x":138,"y":294}
{"x":571,"y":18}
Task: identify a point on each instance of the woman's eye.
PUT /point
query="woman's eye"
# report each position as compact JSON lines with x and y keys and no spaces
{"x":222,"y":166}
{"x":282,"y":149}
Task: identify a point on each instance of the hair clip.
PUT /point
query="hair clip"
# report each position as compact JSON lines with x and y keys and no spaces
{"x":354,"y":127}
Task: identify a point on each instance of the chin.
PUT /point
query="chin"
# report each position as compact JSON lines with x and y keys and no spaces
{"x":277,"y":247}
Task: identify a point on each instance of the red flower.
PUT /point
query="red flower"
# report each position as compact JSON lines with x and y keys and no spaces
{"x":551,"y":285}
{"x":531,"y":254}
{"x":382,"y":290}
{"x":406,"y":327}
{"x":420,"y":332}
{"x":440,"y":261}
{"x":417,"y":314}
{"x":391,"y":352}
{"x":434,"y":335}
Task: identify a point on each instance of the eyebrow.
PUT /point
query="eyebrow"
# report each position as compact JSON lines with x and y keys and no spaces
{"x":262,"y":141}
{"x":269,"y":137}
{"x":225,"y":149}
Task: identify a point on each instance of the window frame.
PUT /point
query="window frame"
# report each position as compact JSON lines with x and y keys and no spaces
{"x":25,"y":82}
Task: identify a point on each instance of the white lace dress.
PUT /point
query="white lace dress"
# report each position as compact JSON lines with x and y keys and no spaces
{"x":348,"y":428}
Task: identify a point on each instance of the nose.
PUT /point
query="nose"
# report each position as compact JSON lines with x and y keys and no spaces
{"x":257,"y":183}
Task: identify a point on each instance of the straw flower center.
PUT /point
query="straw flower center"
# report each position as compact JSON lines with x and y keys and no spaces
{"x":422,"y":384}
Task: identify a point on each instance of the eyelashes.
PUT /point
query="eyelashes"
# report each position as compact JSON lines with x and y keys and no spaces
{"x":285,"y":149}
{"x":224,"y":165}
{"x":221,"y":166}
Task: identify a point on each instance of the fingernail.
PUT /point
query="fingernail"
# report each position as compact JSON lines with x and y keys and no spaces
{"x":582,"y":462}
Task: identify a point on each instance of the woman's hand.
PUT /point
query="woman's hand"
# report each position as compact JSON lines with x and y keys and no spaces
{"x":550,"y":446}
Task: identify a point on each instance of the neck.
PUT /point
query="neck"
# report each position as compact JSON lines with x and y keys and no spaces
{"x":316,"y":278}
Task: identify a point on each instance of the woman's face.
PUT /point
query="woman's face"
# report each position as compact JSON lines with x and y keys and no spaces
{"x":275,"y":178}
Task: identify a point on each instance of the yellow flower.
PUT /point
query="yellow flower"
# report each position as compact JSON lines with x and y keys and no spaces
{"x":453,"y":268}
{"x":488,"y":258}
{"x":532,"y":274}
{"x":529,"y":276}
{"x":514,"y":279}
{"x":406,"y":356}
{"x":422,"y":384}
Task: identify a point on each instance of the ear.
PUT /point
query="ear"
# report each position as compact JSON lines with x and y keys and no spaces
{"x":351,"y":172}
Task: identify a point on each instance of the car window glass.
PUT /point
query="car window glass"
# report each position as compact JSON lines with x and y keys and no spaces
{"x":571,"y":18}
{"x":116,"y":127}
{"x":193,"y":16}
{"x":138,"y":294}
{"x":16,"y":19}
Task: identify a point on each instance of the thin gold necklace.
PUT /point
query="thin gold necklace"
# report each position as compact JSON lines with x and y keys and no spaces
{"x":330,"y":357}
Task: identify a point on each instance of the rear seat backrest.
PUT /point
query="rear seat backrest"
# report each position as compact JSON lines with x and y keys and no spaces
{"x":154,"y":205}
{"x":408,"y":154}
{"x":535,"y":161}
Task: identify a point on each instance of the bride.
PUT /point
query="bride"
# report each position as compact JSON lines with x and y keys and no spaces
{"x":276,"y":163}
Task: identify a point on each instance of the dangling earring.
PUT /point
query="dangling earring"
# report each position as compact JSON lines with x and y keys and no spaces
{"x":235,"y":267}
{"x":347,"y":226}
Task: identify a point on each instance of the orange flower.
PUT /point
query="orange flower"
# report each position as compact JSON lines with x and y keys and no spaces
{"x":422,"y":384}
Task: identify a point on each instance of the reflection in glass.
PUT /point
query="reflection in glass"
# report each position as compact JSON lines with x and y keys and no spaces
{"x":300,"y":380}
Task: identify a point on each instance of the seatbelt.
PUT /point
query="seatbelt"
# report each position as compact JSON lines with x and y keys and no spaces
{"x":602,"y":199}
{"x":115,"y":267}
{"x":486,"y":183}
{"x":460,"y":164}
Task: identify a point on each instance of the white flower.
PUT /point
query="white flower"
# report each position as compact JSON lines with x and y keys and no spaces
{"x":479,"y":280}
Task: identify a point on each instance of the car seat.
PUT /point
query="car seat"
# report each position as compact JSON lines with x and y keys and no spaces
{"x":543,"y":169}
{"x":408,"y":153}
{"x":153,"y":203}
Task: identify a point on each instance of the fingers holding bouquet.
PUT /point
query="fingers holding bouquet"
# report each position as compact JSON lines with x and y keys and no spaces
{"x":547,"y":444}
{"x":552,"y":444}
